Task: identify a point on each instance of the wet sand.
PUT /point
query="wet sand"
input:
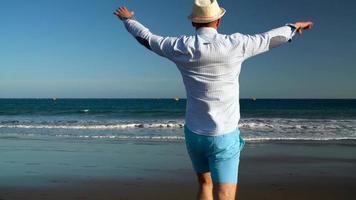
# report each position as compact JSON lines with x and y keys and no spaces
{"x":273,"y":170}
{"x":145,"y":189}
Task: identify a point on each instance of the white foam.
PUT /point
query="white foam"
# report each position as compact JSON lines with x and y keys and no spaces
{"x":94,"y":127}
{"x":256,"y":139}
{"x":254,"y":129}
{"x":126,"y":137}
{"x":178,"y":138}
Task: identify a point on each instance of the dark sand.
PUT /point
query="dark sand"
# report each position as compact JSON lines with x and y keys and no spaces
{"x":313,"y":188}
{"x":268,"y":171}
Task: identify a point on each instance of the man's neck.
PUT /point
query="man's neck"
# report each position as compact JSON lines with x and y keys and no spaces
{"x":214,"y":27}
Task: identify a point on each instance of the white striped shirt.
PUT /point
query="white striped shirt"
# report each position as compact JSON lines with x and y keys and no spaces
{"x":210,"y":65}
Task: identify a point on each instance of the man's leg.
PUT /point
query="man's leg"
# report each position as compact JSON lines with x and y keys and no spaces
{"x":225,"y":191}
{"x":197,"y":146}
{"x":205,"y":186}
{"x":224,"y":165}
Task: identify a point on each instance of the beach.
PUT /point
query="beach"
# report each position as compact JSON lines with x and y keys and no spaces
{"x":46,"y":169}
{"x":96,"y":96}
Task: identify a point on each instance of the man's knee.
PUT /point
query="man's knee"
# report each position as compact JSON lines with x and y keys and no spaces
{"x":205,"y":180}
{"x":225,"y":191}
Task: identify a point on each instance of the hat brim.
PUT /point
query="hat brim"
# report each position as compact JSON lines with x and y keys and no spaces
{"x":199,"y":19}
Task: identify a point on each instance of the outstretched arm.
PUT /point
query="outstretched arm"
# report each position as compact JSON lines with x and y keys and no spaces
{"x":259,"y":43}
{"x":158,"y":44}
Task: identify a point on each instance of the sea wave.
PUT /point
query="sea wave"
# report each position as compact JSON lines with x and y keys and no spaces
{"x":253,"y":129}
{"x":263,"y":124}
{"x":96,"y":127}
{"x":173,"y":138}
{"x":180,"y":138}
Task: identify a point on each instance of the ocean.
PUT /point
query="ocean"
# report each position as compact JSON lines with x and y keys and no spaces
{"x":163,"y":119}
{"x":63,"y":142}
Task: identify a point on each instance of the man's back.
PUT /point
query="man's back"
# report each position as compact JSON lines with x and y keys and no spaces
{"x":210,"y":64}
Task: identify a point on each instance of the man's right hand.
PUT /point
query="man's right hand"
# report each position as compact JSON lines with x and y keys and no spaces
{"x":123,"y":13}
{"x":300,"y":26}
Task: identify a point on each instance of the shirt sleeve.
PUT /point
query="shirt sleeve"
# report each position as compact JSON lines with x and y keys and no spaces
{"x":162,"y":46}
{"x":255,"y":44}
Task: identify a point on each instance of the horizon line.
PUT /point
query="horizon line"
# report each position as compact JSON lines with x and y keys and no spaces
{"x":183,"y":98}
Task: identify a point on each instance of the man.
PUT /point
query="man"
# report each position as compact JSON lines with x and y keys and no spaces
{"x":210,"y":65}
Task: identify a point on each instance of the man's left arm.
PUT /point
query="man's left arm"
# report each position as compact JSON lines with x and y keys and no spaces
{"x":158,"y":44}
{"x":259,"y":43}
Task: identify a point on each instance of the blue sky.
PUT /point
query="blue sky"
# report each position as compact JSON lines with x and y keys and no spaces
{"x":77,"y":48}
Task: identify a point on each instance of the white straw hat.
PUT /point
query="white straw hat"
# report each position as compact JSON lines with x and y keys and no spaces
{"x":205,"y":11}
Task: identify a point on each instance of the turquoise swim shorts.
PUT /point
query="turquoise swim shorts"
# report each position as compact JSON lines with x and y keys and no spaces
{"x":219,"y":155}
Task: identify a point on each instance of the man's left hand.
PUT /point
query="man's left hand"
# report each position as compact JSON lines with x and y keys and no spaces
{"x":300,"y":26}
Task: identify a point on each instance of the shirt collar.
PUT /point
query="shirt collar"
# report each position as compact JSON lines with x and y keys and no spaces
{"x":206,"y":30}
